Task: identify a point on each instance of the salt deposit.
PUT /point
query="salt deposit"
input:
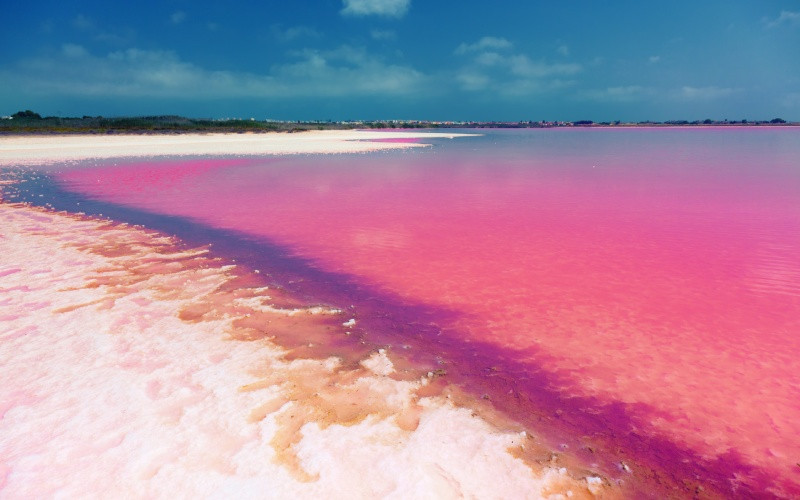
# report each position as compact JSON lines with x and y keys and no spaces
{"x":134,"y":367}
{"x":37,"y":150}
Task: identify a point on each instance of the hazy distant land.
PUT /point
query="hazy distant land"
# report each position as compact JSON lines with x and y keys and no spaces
{"x":24,"y":122}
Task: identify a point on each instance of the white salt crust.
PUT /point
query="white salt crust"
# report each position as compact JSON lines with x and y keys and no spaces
{"x":37,"y":150}
{"x":122,"y":398}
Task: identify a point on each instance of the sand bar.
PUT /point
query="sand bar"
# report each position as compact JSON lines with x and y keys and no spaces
{"x":42,"y":149}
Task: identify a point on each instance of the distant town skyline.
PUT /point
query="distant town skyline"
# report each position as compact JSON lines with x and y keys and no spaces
{"x":404,"y":59}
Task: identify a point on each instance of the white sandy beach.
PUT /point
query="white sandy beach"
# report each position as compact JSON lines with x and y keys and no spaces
{"x":35,"y":149}
{"x":127,"y":371}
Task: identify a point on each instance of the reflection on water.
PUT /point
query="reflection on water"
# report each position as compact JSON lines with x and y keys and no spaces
{"x":656,"y":269}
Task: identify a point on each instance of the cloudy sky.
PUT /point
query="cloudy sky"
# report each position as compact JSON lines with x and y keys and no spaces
{"x":404,"y":59}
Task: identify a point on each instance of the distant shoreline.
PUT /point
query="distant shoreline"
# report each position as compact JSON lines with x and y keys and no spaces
{"x":47,"y":132}
{"x":30,"y":123}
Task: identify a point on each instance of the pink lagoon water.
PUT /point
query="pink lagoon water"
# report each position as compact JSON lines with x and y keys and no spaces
{"x":633,"y":294}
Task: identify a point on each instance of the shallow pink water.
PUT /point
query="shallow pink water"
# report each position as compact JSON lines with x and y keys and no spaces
{"x":656,"y":268}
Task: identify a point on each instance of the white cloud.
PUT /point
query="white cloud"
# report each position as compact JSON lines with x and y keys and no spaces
{"x":523,"y":87}
{"x":294,"y":32}
{"x":490,"y":59}
{"x":491,"y":66}
{"x":563,"y":50}
{"x":625,"y":93}
{"x":473,"y":81}
{"x":345,"y":71}
{"x":178,"y":17}
{"x":73,"y":50}
{"x":386,"y":8}
{"x":82,"y":22}
{"x":636,"y":93}
{"x":383,"y":35}
{"x":688,"y":93}
{"x":485,"y":43}
{"x":118,"y":38}
{"x":521,"y":65}
{"x":785,"y":17}
{"x":114,"y":35}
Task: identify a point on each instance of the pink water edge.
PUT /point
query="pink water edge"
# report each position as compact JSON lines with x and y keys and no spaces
{"x":663,"y":276}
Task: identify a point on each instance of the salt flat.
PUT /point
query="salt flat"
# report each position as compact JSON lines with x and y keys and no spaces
{"x":39,"y":149}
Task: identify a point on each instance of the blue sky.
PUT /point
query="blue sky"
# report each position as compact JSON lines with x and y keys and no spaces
{"x":404,"y":59}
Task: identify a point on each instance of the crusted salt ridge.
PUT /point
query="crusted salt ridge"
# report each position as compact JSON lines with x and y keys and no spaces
{"x":261,"y":303}
{"x":123,"y":375}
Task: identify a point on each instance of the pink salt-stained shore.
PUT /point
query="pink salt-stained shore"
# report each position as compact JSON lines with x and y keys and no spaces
{"x":37,"y":150}
{"x":108,"y":392}
{"x":128,"y":371}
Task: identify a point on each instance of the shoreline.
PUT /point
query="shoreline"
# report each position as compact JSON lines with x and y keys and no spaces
{"x":39,"y":150}
{"x":141,"y":355}
{"x":147,"y":357}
